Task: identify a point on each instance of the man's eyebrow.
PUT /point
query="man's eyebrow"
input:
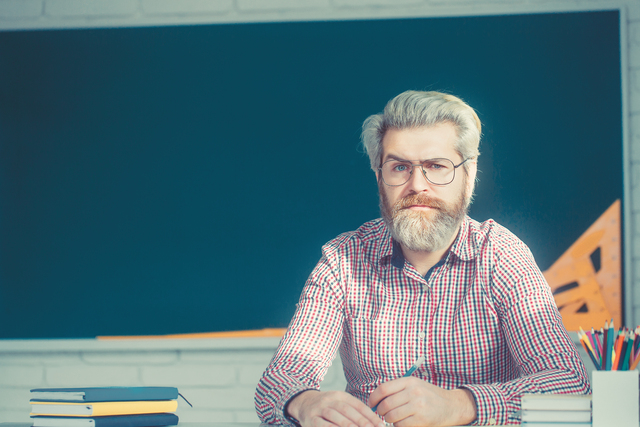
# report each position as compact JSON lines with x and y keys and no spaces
{"x":394,"y":157}
{"x":400,"y":159}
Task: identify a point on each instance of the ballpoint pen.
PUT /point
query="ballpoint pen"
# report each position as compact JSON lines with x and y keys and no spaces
{"x":411,"y":370}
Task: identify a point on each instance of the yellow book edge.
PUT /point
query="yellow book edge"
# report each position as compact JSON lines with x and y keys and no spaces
{"x":96,"y":409}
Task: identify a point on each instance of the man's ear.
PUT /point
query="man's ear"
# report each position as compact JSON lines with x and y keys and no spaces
{"x":471,"y":181}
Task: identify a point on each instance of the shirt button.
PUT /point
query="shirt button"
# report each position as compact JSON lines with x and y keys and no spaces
{"x":492,"y":421}
{"x":422,"y":335}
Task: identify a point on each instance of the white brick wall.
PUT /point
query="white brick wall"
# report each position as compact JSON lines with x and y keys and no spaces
{"x":185,"y":7}
{"x":32,"y":14}
{"x":219,"y":376}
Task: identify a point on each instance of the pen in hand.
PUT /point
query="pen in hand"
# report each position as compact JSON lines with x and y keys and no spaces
{"x":410,"y":372}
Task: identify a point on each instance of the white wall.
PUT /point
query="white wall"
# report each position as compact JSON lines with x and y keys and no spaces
{"x":32,"y":14}
{"x":219,"y":375}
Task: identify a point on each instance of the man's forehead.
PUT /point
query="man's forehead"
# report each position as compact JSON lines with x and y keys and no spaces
{"x":420,"y":143}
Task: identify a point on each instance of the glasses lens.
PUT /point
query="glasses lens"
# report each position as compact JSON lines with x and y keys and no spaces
{"x":395,"y":172}
{"x":439,"y":171}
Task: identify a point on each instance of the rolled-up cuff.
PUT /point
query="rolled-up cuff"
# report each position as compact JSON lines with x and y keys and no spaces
{"x":284,"y":401}
{"x":491,"y":406}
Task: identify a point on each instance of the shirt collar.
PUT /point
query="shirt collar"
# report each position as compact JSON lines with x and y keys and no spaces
{"x":464,"y":246}
{"x":386,"y":249}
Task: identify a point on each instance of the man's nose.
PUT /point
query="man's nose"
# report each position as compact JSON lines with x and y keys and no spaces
{"x":418,"y":181}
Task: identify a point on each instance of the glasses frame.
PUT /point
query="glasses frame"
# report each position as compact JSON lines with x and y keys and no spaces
{"x":424,"y":172}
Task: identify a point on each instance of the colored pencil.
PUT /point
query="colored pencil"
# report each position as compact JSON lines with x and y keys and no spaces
{"x":587,"y":344}
{"x":589,"y":341}
{"x":627,"y":354}
{"x":610,"y":337}
{"x":592,"y":340}
{"x":623,"y":350}
{"x":584,"y":345}
{"x":605,"y":343}
{"x":587,"y":347}
{"x":616,"y":350}
{"x":599,"y":336}
{"x":635,"y":363}
{"x":596,"y":339}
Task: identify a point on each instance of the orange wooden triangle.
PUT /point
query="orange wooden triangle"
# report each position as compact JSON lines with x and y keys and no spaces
{"x":586,"y":280}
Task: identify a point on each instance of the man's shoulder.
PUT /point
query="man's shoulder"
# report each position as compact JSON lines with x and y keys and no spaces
{"x":489,"y":232}
{"x":495,"y":245}
{"x":507,"y":259}
{"x":368,"y":234}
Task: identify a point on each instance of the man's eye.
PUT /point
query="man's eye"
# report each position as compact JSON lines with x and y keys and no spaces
{"x":435,"y":166}
{"x":400,"y":168}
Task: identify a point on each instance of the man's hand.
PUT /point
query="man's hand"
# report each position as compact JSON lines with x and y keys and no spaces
{"x":411,"y":401}
{"x":331,"y":408}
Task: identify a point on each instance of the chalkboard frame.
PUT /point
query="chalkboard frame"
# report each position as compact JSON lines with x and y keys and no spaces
{"x":9,"y":296}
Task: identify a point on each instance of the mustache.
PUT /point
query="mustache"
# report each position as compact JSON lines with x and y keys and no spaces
{"x":418,"y":199}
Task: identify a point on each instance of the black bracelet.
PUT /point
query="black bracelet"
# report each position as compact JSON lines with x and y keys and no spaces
{"x":293,"y":420}
{"x":286,"y":405}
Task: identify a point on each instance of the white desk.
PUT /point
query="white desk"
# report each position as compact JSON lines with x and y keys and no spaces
{"x":181,"y":424}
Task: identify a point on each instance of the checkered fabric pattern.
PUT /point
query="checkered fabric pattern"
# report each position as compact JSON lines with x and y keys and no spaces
{"x":484,"y":318}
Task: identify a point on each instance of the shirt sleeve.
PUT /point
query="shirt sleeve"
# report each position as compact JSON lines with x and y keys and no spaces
{"x":543,"y":352}
{"x":308,"y":347}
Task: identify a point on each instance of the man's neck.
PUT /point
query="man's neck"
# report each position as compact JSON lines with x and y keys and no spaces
{"x":424,"y":260}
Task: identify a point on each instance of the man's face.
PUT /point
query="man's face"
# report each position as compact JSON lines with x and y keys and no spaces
{"x":420,"y":215}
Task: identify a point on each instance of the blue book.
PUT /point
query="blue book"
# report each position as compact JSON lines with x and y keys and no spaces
{"x":104,"y":394}
{"x":145,"y":420}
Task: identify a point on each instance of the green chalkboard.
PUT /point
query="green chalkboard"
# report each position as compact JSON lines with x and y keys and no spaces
{"x":183,"y":179}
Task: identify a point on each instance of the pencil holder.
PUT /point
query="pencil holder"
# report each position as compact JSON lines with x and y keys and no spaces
{"x":615,"y":399}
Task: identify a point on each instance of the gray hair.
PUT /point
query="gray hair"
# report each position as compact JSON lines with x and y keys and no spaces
{"x":412,"y":109}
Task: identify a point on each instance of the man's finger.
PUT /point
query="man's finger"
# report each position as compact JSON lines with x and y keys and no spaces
{"x":392,"y":402}
{"x":399,"y":413}
{"x":360,"y":414}
{"x":321,"y":422}
{"x":344,"y":415}
{"x":336,"y":417}
{"x":387,"y":389}
{"x":411,"y":420}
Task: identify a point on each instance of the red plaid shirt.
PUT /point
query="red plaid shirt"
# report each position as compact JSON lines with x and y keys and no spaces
{"x":484,"y":318}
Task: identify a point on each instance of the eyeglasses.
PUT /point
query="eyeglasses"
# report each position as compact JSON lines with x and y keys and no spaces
{"x":436,"y":171}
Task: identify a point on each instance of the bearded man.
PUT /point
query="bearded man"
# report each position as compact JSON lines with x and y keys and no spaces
{"x":425,"y":282}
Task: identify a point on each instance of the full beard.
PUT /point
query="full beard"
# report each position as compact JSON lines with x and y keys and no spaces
{"x":419,"y":230}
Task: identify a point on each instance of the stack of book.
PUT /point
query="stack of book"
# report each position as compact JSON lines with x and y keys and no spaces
{"x":556,"y":410}
{"x":104,"y":407}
